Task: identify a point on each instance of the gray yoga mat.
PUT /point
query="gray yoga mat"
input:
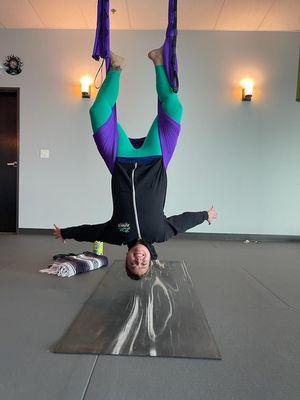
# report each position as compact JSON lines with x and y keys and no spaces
{"x":159,"y":315}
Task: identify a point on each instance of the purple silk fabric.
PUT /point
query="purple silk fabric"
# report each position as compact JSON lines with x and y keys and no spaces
{"x":169,"y":131}
{"x":169,"y":47}
{"x":102,"y":40}
{"x":102,"y":37}
{"x":106,"y":137}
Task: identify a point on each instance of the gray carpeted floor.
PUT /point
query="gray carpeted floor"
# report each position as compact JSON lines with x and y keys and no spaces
{"x":249,"y":293}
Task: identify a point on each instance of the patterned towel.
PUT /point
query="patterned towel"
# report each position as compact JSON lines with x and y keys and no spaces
{"x":66,"y":266}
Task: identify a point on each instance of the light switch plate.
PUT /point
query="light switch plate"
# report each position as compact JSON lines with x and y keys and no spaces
{"x":45,"y":153}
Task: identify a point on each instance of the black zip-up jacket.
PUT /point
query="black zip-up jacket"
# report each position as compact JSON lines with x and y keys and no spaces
{"x":139,"y":193}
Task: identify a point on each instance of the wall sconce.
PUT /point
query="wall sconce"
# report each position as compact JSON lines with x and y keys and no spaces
{"x":247,"y":89}
{"x":86,"y":82}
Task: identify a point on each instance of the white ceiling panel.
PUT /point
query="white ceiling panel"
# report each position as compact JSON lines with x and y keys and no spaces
{"x":118,"y":20}
{"x":148,"y":14}
{"x":284,"y":16}
{"x":61,"y":14}
{"x":198,"y":14}
{"x":89,"y":12}
{"x":18,"y":14}
{"x":243,"y":15}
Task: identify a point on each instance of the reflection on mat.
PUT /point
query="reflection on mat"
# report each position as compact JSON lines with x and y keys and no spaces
{"x":159,"y":315}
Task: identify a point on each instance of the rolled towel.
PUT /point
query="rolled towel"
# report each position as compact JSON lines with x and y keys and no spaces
{"x":66,"y":266}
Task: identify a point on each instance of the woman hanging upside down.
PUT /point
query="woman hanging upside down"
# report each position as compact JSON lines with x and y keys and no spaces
{"x":138,"y":168}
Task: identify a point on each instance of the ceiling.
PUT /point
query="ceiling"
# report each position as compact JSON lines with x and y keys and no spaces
{"x":233,"y":15}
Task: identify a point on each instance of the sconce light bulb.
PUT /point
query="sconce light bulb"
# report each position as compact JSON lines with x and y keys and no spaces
{"x":86,"y":82}
{"x":247,"y":86}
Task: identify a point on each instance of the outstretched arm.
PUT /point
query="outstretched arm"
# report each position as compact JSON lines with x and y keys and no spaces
{"x":187,"y":220}
{"x":82,"y":233}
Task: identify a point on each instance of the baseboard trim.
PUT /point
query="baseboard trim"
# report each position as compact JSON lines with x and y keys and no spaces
{"x":238,"y":237}
{"x":35,"y":231}
{"x":199,"y":236}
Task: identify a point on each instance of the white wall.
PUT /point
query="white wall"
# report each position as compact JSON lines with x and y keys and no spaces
{"x":242,"y":157}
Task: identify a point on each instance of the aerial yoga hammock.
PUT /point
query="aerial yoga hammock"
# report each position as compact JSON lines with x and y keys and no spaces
{"x":138,"y":166}
{"x":107,"y":136}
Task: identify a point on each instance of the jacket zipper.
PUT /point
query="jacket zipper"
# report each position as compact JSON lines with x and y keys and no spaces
{"x":134,"y":202}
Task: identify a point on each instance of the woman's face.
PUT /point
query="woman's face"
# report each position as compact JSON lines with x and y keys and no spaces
{"x":138,"y":259}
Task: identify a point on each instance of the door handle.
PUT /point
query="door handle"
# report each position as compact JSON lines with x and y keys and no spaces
{"x":12,"y":164}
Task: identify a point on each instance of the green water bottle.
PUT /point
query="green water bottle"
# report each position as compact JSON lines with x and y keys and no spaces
{"x":98,"y":248}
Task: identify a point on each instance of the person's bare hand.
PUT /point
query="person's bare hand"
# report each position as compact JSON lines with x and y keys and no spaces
{"x":212,"y":214}
{"x":57,"y":233}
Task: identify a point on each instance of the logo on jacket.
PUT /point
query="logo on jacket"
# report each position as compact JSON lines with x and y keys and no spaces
{"x":124,"y":227}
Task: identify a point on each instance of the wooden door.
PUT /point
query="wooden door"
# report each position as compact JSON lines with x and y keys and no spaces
{"x":9,"y":160}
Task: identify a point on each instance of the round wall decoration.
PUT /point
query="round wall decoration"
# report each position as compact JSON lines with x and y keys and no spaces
{"x":13,"y":65}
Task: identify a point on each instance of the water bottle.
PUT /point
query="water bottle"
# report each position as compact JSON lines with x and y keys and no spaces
{"x":98,"y":248}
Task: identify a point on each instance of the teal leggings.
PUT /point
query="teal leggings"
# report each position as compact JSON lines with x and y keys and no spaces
{"x":106,"y":99}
